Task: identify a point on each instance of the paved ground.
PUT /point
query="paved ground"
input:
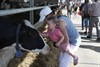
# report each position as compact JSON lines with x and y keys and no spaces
{"x":89,"y":51}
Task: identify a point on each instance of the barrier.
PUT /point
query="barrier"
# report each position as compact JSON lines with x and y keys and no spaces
{"x":15,"y":11}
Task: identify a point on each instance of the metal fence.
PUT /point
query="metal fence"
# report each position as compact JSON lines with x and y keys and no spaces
{"x":15,"y":11}
{"x":21,"y":10}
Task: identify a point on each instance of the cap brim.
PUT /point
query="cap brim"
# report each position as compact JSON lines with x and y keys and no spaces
{"x":41,"y":18}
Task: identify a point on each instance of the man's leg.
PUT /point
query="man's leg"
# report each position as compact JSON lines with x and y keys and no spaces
{"x":65,"y":58}
{"x":91,"y":27}
{"x":86,"y":25}
{"x":82,"y":24}
{"x":97,"y":23}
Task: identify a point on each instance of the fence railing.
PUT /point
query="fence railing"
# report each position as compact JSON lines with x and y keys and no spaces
{"x":15,"y":11}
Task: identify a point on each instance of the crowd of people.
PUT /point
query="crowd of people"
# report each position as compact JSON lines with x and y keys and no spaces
{"x":90,"y":13}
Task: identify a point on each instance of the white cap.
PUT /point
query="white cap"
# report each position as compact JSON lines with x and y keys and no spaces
{"x":44,"y":12}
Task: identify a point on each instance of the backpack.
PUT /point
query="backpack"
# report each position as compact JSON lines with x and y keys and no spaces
{"x":85,"y":10}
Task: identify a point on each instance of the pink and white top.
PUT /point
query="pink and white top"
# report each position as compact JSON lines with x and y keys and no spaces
{"x":55,"y":35}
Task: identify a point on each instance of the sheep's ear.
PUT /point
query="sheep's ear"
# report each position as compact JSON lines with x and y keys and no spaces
{"x":27,"y":23}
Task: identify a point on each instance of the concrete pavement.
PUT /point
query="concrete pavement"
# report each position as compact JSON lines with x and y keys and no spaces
{"x":89,"y":51}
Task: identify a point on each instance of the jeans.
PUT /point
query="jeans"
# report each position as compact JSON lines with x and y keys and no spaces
{"x":96,"y":21}
{"x":86,"y":23}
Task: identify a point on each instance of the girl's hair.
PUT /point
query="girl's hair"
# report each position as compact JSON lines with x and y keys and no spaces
{"x":54,"y":19}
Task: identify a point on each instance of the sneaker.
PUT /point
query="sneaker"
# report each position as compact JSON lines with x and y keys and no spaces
{"x":98,"y":39}
{"x":75,"y":60}
{"x":85,"y":32}
{"x":82,"y":28}
{"x":88,"y":36}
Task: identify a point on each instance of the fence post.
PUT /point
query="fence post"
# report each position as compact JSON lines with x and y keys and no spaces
{"x":32,"y":12}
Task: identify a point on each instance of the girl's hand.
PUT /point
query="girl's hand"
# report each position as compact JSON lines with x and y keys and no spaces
{"x":57,"y":44}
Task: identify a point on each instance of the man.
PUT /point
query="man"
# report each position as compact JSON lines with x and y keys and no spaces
{"x":85,"y":14}
{"x":82,"y":15}
{"x":95,"y":19}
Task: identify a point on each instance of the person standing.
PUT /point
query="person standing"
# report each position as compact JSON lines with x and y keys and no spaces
{"x":85,"y":14}
{"x":95,"y":19}
{"x":71,"y":35}
{"x":82,"y":15}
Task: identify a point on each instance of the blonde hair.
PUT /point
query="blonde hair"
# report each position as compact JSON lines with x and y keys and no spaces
{"x":54,"y":19}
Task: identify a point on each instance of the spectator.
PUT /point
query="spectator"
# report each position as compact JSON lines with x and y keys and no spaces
{"x":85,"y":14}
{"x":95,"y":19}
{"x":82,"y":15}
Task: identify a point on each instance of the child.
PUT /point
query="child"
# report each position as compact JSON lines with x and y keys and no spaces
{"x":57,"y":37}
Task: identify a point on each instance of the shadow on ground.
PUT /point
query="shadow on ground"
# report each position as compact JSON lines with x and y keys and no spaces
{"x":90,"y":63}
{"x":95,"y":48}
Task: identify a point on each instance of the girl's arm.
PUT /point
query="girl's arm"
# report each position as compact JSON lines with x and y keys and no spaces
{"x":62,"y":25}
{"x":60,"y":40}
